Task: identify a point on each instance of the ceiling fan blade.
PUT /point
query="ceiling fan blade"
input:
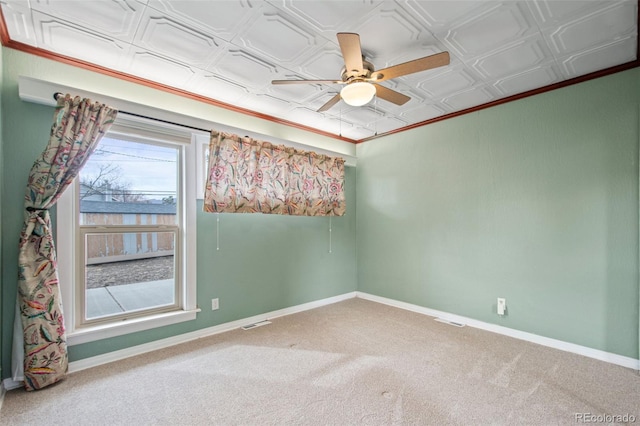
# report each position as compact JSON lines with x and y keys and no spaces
{"x":391,"y":95}
{"x":351,"y":51}
{"x":307,"y":81}
{"x":331,"y":103}
{"x":422,"y":64}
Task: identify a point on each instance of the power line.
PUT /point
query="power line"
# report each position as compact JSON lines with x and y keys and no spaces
{"x":127,"y":145}
{"x":135,"y":156}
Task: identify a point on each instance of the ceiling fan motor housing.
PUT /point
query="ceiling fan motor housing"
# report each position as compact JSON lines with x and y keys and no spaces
{"x":349,"y":76}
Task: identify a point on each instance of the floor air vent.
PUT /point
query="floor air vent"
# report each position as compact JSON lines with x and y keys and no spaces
{"x":256,"y":324}
{"x":455,"y":324}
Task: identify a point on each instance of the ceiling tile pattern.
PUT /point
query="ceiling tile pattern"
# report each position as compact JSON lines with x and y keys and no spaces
{"x":230,"y":51}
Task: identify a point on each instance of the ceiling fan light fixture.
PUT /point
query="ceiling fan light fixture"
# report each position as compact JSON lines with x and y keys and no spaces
{"x":358,"y":93}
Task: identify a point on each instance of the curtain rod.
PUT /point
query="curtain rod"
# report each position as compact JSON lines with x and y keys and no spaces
{"x":56,"y":94}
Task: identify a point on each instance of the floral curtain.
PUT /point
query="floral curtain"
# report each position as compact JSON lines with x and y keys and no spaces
{"x":251,"y":176}
{"x":78,"y":126}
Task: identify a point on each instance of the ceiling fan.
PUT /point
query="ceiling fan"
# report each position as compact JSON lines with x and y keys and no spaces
{"x":360,"y":78}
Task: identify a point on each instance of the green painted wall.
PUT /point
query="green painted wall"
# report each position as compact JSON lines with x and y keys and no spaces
{"x":535,"y":201}
{"x":1,"y":191}
{"x":265,"y":262}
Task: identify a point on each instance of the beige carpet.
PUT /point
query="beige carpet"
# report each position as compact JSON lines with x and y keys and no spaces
{"x":354,"y":362}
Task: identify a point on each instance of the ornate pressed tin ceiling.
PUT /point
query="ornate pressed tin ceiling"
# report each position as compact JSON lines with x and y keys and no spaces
{"x":230,"y":51}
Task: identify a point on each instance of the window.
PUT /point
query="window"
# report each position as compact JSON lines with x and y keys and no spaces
{"x":126,"y":237}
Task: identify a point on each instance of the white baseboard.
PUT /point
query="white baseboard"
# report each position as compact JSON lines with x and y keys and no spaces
{"x":517,"y":334}
{"x":83,"y":364}
{"x":2,"y":392}
{"x":10,"y":384}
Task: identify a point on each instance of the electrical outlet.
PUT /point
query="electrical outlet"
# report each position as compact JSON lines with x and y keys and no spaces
{"x":215,"y":304}
{"x":502,"y":305}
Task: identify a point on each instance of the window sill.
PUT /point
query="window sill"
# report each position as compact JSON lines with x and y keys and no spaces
{"x":105,"y":331}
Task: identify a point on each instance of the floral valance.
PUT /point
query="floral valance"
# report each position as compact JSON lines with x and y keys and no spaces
{"x":251,"y":176}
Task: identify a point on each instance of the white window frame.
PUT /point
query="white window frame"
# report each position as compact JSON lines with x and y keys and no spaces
{"x":69,"y":234}
{"x":202,"y":147}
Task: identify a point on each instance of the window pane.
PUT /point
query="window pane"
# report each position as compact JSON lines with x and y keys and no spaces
{"x":128,"y":272}
{"x":129,"y":183}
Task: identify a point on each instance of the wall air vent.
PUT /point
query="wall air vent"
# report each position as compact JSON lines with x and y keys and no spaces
{"x":256,"y":324}
{"x":455,"y":324}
